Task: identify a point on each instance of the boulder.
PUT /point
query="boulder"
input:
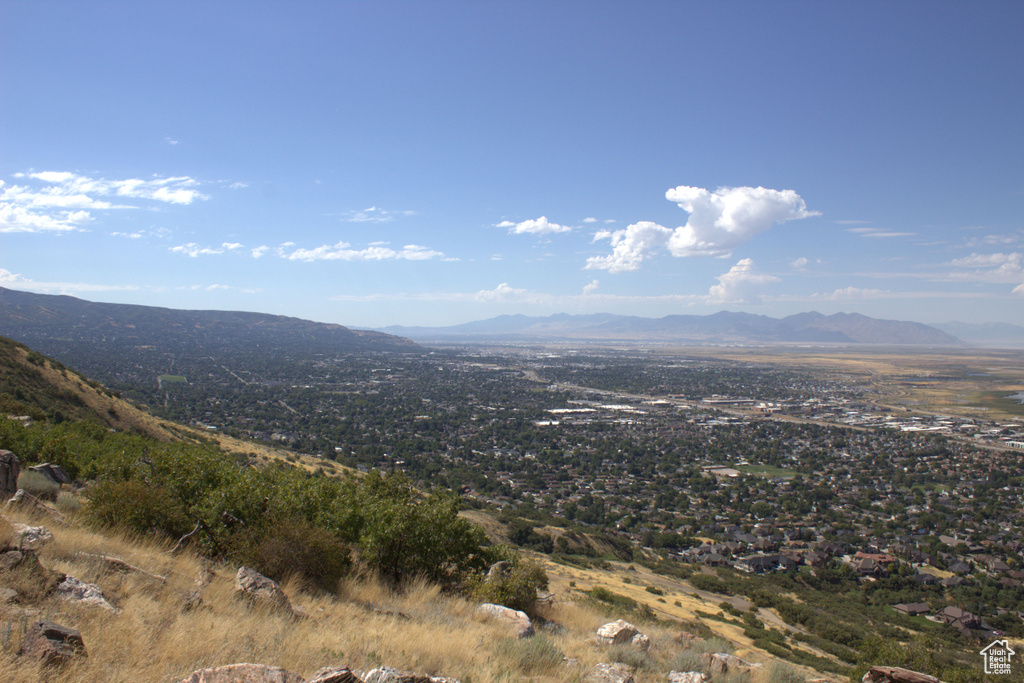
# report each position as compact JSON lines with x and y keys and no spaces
{"x":499,"y":570}
{"x":686,"y":677}
{"x":895,"y":674}
{"x":51,"y":644}
{"x":641,"y":642}
{"x":617,"y":632}
{"x":31,"y":537}
{"x":257,"y":589}
{"x":55,"y":473}
{"x":333,"y":675}
{"x":386,"y":674}
{"x":516,"y":620}
{"x":608,"y":673}
{"x":243,"y":673}
{"x":74,"y":590}
{"x":10,"y":468}
{"x":9,"y":559}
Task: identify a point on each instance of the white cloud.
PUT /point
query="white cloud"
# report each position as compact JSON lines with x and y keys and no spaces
{"x":502,"y":292}
{"x":590,"y":220}
{"x":719,"y":222}
{"x":630,"y":246}
{"x":877,"y":233}
{"x":986,"y":260}
{"x":374,"y":214}
{"x":193,"y":250}
{"x":56,"y":201}
{"x":998,"y":268}
{"x":591,"y":287}
{"x":534,"y":226}
{"x":342,"y":251}
{"x":799,"y":263}
{"x":1019,"y":289}
{"x":741,"y":285}
{"x":260,"y":251}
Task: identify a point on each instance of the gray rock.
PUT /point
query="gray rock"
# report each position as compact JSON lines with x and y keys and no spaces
{"x":608,"y":673}
{"x":722,"y":662}
{"x":617,"y":632}
{"x":641,"y":642}
{"x":257,"y":589}
{"x":895,"y":674}
{"x":243,"y":673}
{"x":516,"y":620}
{"x":51,"y":644}
{"x":31,"y":537}
{"x":686,"y":677}
{"x":10,"y":559}
{"x":74,"y":590}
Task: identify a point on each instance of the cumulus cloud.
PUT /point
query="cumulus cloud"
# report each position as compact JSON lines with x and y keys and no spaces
{"x":591,"y":287}
{"x":535,"y":226}
{"x":55,"y":201}
{"x":741,"y":285}
{"x":719,"y":221}
{"x":343,"y":251}
{"x":799,"y":263}
{"x":998,"y":268}
{"x":502,"y":292}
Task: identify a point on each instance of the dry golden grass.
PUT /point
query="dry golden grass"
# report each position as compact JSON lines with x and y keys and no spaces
{"x":154,"y":638}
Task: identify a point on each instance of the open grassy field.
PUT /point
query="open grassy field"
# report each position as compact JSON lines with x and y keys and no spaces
{"x":970,"y":382}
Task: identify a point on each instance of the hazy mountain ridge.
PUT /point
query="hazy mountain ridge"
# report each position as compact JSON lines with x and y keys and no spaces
{"x":985,"y":334}
{"x":55,"y":323}
{"x":722,"y":327}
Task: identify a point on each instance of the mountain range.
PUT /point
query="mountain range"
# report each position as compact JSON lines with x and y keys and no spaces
{"x":54,"y":323}
{"x":59,"y":323}
{"x":719,"y":328}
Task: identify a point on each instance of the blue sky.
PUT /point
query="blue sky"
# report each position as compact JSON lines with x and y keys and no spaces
{"x":432,"y":163}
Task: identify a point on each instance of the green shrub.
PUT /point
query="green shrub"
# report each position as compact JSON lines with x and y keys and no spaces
{"x":137,"y":507}
{"x":293,"y":547}
{"x":38,"y":485}
{"x":516,"y":588}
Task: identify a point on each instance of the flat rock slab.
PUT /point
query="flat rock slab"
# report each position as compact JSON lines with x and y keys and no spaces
{"x":386,"y":674}
{"x":687,"y":677}
{"x":244,"y":673}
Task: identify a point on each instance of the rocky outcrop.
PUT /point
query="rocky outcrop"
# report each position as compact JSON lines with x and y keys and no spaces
{"x":51,"y":644}
{"x":244,"y":673}
{"x":617,"y":633}
{"x":895,"y":674}
{"x":89,"y":594}
{"x":641,"y":642}
{"x":517,"y":621}
{"x":256,"y":589}
{"x":10,"y":468}
{"x":608,"y":673}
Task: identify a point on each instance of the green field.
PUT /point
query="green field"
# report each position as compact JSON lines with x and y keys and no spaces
{"x":172,"y":379}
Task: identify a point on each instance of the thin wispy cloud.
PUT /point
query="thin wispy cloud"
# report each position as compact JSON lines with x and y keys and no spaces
{"x":719,"y":221}
{"x":878,"y":233}
{"x":343,"y":251}
{"x":374,"y":214}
